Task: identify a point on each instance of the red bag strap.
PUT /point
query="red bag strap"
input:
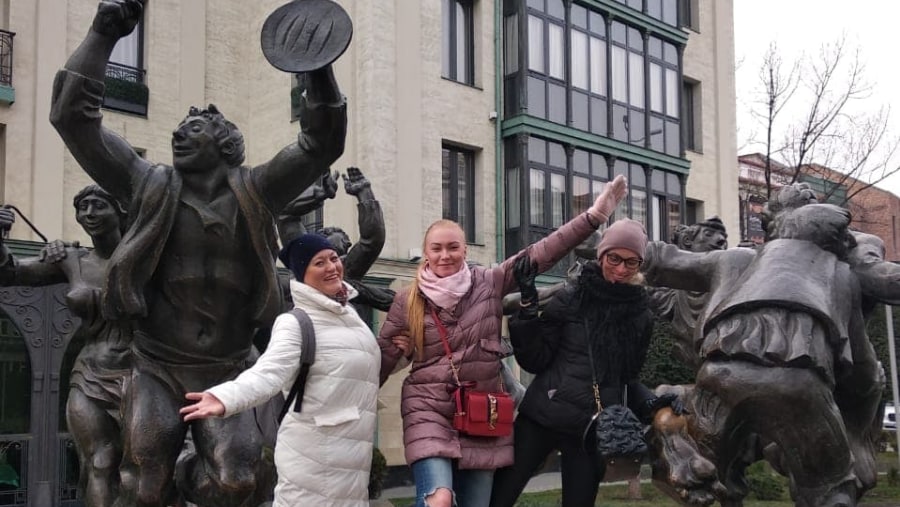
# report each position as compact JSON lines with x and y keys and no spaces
{"x":442,"y":331}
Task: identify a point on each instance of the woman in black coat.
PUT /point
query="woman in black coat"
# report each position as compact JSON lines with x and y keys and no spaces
{"x":606,"y":308}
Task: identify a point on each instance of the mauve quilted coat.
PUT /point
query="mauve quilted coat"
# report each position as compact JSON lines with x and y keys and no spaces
{"x":474,"y":335}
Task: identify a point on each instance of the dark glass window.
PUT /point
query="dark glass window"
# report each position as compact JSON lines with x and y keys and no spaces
{"x":126,"y":89}
{"x":458,"y":41}
{"x":665,"y":207}
{"x":589,"y":73}
{"x":547,"y":62}
{"x":688,"y":11}
{"x":665,"y":108}
{"x":690,"y":116}
{"x":458,"y":185}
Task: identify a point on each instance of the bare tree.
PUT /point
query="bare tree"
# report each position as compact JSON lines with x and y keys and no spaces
{"x":835,"y":134}
{"x":778,"y":86}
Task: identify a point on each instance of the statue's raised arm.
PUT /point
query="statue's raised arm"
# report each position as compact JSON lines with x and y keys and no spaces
{"x":292,"y":42}
{"x":78,"y":96}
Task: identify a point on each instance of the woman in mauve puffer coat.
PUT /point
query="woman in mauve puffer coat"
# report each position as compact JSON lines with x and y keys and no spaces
{"x":450,"y":468}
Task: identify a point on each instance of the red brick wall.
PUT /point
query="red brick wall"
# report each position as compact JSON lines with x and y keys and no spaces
{"x":877,"y":212}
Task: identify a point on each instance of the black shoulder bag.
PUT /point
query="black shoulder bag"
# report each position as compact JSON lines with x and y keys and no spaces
{"x":614,"y":435}
{"x":270,"y":414}
{"x":307,"y":357}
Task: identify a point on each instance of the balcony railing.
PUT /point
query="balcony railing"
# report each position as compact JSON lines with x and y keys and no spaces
{"x":6,"y":57}
{"x":125,"y":89}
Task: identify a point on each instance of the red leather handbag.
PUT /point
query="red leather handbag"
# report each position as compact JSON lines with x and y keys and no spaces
{"x":478,"y":413}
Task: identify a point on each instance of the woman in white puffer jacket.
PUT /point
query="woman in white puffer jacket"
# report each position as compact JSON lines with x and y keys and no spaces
{"x":323,"y":453}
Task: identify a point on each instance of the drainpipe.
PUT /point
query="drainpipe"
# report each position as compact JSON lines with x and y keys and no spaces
{"x":499,"y":208}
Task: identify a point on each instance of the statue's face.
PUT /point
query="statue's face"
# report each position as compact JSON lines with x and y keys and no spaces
{"x":709,"y":239}
{"x":97,"y":215}
{"x":194,"y":146}
{"x":340,"y":241}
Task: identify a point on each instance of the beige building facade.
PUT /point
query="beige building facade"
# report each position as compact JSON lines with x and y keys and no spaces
{"x":470,"y":109}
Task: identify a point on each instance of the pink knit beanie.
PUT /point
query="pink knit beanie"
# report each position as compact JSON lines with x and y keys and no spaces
{"x":624,"y":233}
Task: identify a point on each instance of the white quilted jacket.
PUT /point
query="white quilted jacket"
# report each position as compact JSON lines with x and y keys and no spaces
{"x":322,"y":454}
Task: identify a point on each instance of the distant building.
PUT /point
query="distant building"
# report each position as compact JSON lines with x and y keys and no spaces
{"x":875,"y":211}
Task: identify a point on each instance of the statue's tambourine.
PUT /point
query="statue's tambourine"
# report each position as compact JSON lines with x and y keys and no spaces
{"x":306,"y":35}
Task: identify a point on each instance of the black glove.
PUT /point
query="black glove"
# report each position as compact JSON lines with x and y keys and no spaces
{"x":666,"y":400}
{"x":525,"y":272}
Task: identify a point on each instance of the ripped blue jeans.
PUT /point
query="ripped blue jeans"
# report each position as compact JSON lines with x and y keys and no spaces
{"x":470,"y":488}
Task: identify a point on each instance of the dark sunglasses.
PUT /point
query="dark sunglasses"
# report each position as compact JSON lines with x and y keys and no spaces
{"x":630,"y":263}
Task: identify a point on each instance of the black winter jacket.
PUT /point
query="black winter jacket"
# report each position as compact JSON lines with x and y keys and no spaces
{"x":616,"y":320}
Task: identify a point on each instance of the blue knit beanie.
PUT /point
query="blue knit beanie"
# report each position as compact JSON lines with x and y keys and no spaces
{"x":297,"y":254}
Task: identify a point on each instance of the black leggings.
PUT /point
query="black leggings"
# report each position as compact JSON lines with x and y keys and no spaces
{"x":533,"y":443}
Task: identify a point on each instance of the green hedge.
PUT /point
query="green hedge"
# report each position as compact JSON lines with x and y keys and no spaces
{"x":127,"y":91}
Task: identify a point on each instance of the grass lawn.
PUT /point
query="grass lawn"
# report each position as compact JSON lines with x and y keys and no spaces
{"x":884,"y":495}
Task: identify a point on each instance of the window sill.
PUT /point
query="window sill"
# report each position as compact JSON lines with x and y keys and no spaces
{"x":698,"y":151}
{"x":461,"y":83}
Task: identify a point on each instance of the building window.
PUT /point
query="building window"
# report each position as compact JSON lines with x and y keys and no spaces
{"x":628,"y":96}
{"x":666,"y":11}
{"x":589,"y":76}
{"x":458,"y":41}
{"x":547,"y":60}
{"x":665,"y":207}
{"x":126,"y":89}
{"x":314,"y":220}
{"x":665,"y":109}
{"x":690,"y":116}
{"x":458,"y":185}
{"x":689,"y":14}
{"x":622,"y":82}
{"x":547,"y":184}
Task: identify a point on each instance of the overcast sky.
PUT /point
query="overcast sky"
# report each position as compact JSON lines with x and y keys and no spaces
{"x":801,"y":27}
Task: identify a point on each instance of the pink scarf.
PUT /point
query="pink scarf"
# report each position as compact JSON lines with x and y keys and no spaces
{"x":445,"y":292}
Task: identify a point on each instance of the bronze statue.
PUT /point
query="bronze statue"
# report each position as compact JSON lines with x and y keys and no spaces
{"x":104,"y":361}
{"x":680,"y":307}
{"x":357,"y":257}
{"x":195,"y":272}
{"x":786,"y":364}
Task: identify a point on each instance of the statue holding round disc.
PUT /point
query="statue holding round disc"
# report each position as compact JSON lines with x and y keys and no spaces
{"x":195,"y":273}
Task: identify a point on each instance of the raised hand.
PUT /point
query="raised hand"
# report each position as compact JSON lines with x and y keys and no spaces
{"x":355,"y":182}
{"x":313,"y":197}
{"x":609,"y":199}
{"x":327,"y":189}
{"x":117,"y":18}
{"x":525,"y":272}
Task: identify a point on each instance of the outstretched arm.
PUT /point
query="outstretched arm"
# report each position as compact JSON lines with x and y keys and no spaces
{"x":78,"y":95}
{"x":323,"y":120}
{"x":554,"y":247}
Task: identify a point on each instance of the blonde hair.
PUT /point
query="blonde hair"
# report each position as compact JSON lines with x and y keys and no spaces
{"x":415,"y":301}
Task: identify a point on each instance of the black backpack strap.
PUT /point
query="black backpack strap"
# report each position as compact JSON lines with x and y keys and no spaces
{"x":307,"y":356}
